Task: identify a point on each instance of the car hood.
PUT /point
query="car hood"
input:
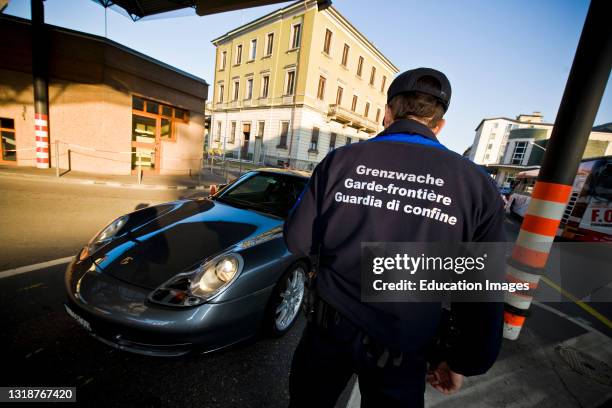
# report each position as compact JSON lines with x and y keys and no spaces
{"x":179,"y":240}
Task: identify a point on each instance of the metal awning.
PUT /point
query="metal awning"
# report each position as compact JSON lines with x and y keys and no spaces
{"x":139,"y":9}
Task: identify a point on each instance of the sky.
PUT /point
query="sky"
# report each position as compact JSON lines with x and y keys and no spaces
{"x":503,"y":58}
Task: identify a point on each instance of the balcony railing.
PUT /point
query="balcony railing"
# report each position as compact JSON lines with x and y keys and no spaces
{"x":352,"y":119}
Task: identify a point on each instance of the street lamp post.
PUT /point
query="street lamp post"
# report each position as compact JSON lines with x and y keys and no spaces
{"x":581,"y":98}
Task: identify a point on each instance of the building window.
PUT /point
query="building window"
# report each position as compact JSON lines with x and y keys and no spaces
{"x":218,"y":134}
{"x":283,"y":135}
{"x":486,"y":156}
{"x":249,"y":89}
{"x":269,"y":43}
{"x":265,"y":85}
{"x":332,"y":141}
{"x":9,"y":141}
{"x":382,"y":85}
{"x":489,"y":146}
{"x":238,"y":54}
{"x":321,"y":89}
{"x":314,"y":140}
{"x":152,"y":123}
{"x":223,"y":60}
{"x":377,"y":115}
{"x":366,"y":111}
{"x":260,"y":129}
{"x":236,"y":89}
{"x":290,"y":84}
{"x":296,"y":34}
{"x":152,"y":107}
{"x":221,"y":91}
{"x":339,"y":95}
{"x":327,"y":42}
{"x":354,"y":103}
{"x":253,"y":50}
{"x":373,"y":76}
{"x":348,"y":140}
{"x":232,"y":136}
{"x":345,"y":55}
{"x":519,"y":152}
{"x":359,"y":66}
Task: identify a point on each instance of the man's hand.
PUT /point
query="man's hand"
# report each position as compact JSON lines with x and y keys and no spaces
{"x":444,"y":379}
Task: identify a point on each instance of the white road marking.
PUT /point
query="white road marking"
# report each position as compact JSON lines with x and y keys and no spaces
{"x":34,"y":267}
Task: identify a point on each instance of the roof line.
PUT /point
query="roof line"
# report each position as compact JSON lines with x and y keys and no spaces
{"x":112,"y":43}
{"x":332,"y":10}
{"x":513,"y":120}
{"x":257,"y":20}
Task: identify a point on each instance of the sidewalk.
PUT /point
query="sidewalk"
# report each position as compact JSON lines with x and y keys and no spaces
{"x":149,"y":181}
{"x":536,"y":371}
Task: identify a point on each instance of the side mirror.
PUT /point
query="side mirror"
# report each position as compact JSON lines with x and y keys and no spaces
{"x":215,"y":188}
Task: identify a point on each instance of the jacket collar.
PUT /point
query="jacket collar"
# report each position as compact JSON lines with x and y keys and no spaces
{"x":409,"y":126}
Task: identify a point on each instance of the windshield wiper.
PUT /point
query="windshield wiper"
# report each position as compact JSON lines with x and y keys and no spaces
{"x":248,"y":204}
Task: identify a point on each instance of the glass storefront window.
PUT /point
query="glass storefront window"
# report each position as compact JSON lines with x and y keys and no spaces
{"x":152,"y":107}
{"x":7,"y":123}
{"x":8,"y":142}
{"x":143,"y":129}
{"x":179,"y":114}
{"x":152,"y":123}
{"x":166,"y":129}
{"x":137,"y":103}
{"x":8,"y":146}
{"x":143,"y":157}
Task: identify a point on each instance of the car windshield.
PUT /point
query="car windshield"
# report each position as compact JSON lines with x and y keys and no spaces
{"x":267,"y":192}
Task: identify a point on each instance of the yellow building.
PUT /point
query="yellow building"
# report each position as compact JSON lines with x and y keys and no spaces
{"x":295,"y":84}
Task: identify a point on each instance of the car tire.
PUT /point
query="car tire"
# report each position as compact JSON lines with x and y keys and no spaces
{"x":285,"y":302}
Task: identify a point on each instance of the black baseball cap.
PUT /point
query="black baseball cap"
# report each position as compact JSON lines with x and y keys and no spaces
{"x":409,"y":82}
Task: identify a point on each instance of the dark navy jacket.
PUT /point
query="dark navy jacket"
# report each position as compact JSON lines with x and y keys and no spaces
{"x":320,"y":222}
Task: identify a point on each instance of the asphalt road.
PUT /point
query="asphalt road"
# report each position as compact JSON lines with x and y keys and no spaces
{"x":42,"y":220}
{"x":42,"y":345}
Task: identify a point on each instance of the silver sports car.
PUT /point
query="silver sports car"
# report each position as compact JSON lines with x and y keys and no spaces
{"x":193,"y":274}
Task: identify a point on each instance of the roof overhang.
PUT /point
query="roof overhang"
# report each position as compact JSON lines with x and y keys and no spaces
{"x":207,"y":7}
{"x":139,"y":9}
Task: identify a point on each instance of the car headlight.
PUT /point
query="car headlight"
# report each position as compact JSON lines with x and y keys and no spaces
{"x":196,"y":287}
{"x":104,"y":236}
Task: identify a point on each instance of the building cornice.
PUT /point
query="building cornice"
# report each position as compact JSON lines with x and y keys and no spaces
{"x":293,"y":8}
{"x":300,"y":6}
{"x":362,"y":38}
{"x":512,"y":120}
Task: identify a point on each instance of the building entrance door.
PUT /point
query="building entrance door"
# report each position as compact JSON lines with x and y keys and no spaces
{"x":145,"y":143}
{"x":246,"y":131}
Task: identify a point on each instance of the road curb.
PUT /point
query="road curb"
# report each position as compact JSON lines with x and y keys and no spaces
{"x":114,"y":184}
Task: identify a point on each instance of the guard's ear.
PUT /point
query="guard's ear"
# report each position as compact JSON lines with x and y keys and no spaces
{"x":439,"y":127}
{"x":388,"y":119}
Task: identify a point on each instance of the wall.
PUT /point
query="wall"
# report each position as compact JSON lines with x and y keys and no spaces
{"x":91,"y":84}
{"x":329,"y":66}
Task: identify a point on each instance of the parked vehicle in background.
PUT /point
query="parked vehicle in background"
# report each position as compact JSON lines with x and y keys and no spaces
{"x":588,"y":215}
